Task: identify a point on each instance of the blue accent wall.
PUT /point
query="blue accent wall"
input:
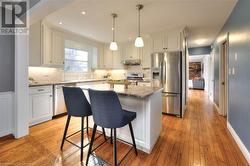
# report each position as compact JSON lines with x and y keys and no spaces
{"x":199,"y":50}
{"x":238,"y":27}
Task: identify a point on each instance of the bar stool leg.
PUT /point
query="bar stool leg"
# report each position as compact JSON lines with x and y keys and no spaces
{"x":65,"y":131}
{"x":115,"y":150}
{"x":82,"y":138}
{"x":133,"y":138}
{"x":91,"y":143}
{"x":87,"y":125}
{"x":111,"y":137}
{"x":104,"y":134}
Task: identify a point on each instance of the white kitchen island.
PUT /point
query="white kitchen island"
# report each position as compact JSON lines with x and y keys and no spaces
{"x":147,"y":103}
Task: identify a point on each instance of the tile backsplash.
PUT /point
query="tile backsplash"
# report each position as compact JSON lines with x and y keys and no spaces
{"x":46,"y":74}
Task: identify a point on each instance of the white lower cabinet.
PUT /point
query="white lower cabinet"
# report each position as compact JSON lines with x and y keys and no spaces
{"x":40,"y":104}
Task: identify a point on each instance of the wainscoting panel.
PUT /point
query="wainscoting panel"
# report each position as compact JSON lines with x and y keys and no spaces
{"x":6,"y":113}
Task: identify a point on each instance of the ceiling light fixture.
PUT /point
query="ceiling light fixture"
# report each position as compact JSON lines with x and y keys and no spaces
{"x":113,"y":45}
{"x":200,"y":41}
{"x":139,"y":41}
{"x":83,"y":12}
{"x":60,"y":23}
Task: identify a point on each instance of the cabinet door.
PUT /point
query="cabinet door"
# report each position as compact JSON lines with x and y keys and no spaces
{"x":146,"y":53}
{"x":40,"y":108}
{"x":158,"y":43}
{"x":117,"y":59}
{"x":107,"y":58}
{"x":174,"y":41}
{"x":57,"y":48}
{"x":129,"y":51}
{"x":46,"y":45}
{"x":35,"y":44}
{"x":125,"y":51}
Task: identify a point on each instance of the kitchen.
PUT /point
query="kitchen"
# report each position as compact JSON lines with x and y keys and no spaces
{"x":59,"y":57}
{"x":119,"y":55}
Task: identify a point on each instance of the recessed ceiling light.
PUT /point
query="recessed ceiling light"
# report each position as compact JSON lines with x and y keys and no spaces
{"x":200,"y":41}
{"x":83,"y":12}
{"x":60,"y":23}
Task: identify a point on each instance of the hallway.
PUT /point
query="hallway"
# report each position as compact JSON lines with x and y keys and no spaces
{"x":200,"y":138}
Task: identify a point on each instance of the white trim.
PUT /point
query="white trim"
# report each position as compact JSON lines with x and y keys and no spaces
{"x":6,"y":111}
{"x":239,"y":142}
{"x":21,"y":106}
{"x":216,"y":107}
{"x":224,"y":108}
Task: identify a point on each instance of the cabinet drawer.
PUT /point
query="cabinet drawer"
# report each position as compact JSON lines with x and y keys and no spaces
{"x":40,"y":89}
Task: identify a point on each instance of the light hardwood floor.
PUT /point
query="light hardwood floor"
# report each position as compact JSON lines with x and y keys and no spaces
{"x":199,"y":139}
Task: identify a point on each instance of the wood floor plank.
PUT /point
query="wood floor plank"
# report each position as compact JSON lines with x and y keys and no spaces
{"x":201,"y":138}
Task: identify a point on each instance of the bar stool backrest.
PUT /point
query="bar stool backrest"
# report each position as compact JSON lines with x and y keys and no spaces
{"x":106,"y":108}
{"x":76,"y":102}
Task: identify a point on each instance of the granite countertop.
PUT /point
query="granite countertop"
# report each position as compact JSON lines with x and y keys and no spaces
{"x":136,"y":91}
{"x":63,"y":82}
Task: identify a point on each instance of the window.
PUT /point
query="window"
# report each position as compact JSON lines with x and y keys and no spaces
{"x":76,"y":60}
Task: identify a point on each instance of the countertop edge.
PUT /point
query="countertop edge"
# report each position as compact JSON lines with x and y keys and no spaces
{"x":66,"y":82}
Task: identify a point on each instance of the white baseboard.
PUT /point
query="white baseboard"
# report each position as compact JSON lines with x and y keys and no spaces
{"x":6,"y":113}
{"x":239,"y":142}
{"x":217,"y":108}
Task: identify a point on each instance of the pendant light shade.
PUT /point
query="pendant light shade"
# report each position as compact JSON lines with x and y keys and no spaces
{"x":139,"y":41}
{"x":113,"y":45}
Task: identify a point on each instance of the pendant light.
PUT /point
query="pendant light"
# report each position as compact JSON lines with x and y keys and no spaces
{"x":139,"y":41}
{"x":113,"y":45}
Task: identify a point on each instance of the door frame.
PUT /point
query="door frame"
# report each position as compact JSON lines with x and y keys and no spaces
{"x":223,"y":68}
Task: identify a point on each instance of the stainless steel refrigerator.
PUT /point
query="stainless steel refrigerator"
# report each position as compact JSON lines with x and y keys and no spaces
{"x":168,"y":69}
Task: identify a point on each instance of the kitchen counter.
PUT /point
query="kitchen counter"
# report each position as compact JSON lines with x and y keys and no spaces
{"x":136,"y":91}
{"x":146,"y":101}
{"x":64,"y":82}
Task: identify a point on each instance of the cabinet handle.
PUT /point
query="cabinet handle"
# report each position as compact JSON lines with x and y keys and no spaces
{"x":40,"y":90}
{"x":50,"y":95}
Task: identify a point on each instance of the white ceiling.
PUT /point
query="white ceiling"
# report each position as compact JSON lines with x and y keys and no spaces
{"x":204,"y":18}
{"x":197,"y":58}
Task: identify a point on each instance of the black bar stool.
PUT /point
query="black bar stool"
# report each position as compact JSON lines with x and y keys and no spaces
{"x":108,"y":113}
{"x":78,"y":106}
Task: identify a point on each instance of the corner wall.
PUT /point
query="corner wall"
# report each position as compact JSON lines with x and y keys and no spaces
{"x":238,"y":27}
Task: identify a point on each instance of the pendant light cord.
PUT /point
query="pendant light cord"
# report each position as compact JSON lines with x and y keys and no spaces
{"x":139,"y":20}
{"x":113,"y":28}
{"x":139,"y":7}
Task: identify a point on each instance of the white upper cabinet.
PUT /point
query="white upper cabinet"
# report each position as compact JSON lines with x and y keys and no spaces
{"x":158,"y":42}
{"x":170,"y":40}
{"x":174,"y":41}
{"x":46,"y":46}
{"x":147,"y":50}
{"x":35,"y":44}
{"x":46,"y":49}
{"x":57,"y":48}
{"x":117,"y":59}
{"x":107,"y":58}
